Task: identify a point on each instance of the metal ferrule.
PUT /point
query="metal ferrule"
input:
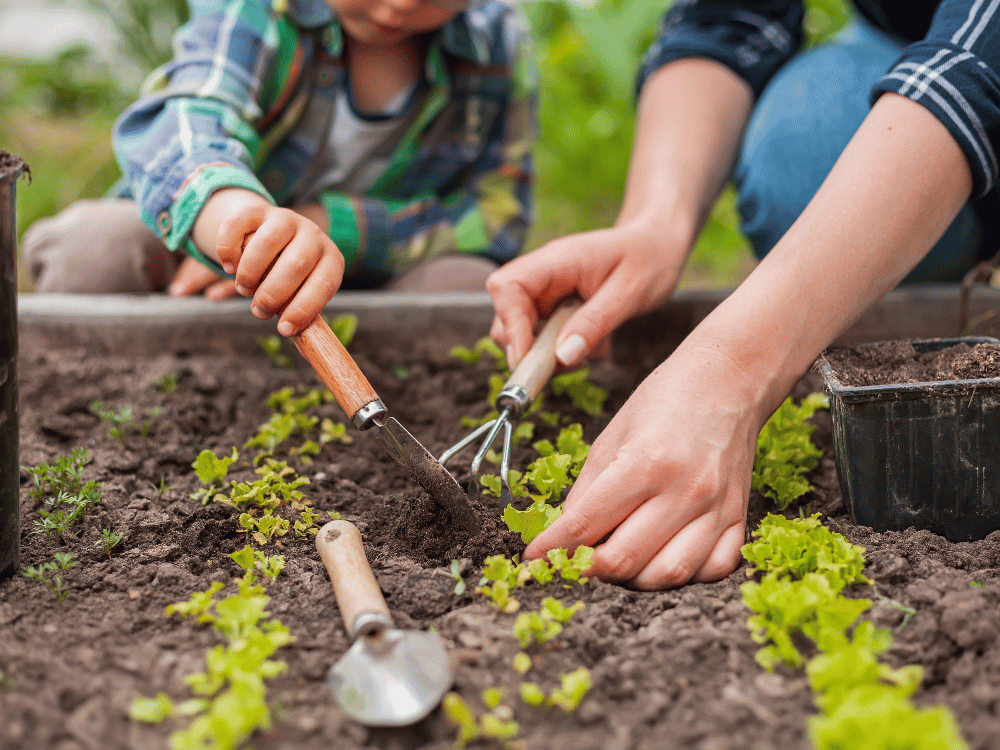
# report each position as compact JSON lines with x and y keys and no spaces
{"x":365,"y":417}
{"x":370,"y":625}
{"x":514,"y":398}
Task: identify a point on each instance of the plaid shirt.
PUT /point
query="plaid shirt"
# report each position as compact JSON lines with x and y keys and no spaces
{"x":227,"y":112}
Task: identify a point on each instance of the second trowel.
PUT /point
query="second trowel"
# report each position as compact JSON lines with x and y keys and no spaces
{"x":341,"y":374}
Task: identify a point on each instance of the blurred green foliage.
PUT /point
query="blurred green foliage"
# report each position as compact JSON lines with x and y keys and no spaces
{"x":57,"y":114}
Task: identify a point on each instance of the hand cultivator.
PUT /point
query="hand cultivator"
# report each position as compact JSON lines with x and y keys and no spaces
{"x":520,"y":390}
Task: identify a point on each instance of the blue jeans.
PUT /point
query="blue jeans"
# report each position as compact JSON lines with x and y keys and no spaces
{"x":799,"y":127}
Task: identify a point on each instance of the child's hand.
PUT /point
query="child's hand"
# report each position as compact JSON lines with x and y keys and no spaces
{"x":191,"y":277}
{"x":282,"y":259}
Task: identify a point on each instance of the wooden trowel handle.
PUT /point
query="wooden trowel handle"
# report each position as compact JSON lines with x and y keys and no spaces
{"x":335,"y":367}
{"x":538,"y":365}
{"x":354,"y":585}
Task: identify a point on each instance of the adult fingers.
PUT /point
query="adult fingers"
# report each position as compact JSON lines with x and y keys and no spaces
{"x":610,"y":498}
{"x":682,"y":557}
{"x":617,"y":299}
{"x":725,"y":555}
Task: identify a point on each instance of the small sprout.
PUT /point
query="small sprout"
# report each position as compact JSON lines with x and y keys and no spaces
{"x":333,"y":432}
{"x":212,"y":471}
{"x":455,"y":573}
{"x":977,"y":584}
{"x":459,"y":713}
{"x":162,"y":488}
{"x":571,"y":568}
{"x":535,"y":627}
{"x":497,"y":728}
{"x":541,"y":571}
{"x":48,"y":573}
{"x":492,"y":697}
{"x":400,"y":373}
{"x":344,"y":327}
{"x":308,"y":525}
{"x":585,"y":396}
{"x":108,"y":541}
{"x":152,"y":710}
{"x":168,"y":383}
{"x":522,"y":663}
{"x":574,"y":686}
{"x":532,"y":694}
{"x":334,"y":515}
{"x":272,"y":348}
{"x":252,"y":560}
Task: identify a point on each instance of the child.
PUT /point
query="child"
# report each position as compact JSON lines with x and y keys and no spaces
{"x":291,"y":145}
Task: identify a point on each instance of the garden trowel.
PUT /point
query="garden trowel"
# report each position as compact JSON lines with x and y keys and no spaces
{"x":341,"y":374}
{"x":388,"y":677}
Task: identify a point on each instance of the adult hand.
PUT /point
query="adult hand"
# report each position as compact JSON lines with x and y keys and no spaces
{"x":192,"y":277}
{"x":618,"y":272}
{"x":669,"y":476}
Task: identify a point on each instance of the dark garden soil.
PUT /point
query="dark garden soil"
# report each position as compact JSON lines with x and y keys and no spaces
{"x":673,"y":669}
{"x":898,"y":362}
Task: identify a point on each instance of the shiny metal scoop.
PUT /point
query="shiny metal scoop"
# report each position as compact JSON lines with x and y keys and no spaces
{"x":388,"y":677}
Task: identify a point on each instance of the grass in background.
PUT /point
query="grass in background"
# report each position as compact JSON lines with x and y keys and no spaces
{"x":57,"y":115}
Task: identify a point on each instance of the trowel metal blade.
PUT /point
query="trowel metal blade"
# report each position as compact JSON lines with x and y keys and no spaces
{"x":395,"y":682}
{"x":427,"y":471}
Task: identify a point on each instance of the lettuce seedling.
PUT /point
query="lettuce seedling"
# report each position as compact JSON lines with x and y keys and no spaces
{"x":309,"y":524}
{"x":875,"y":717}
{"x":541,"y":571}
{"x":586,"y":396}
{"x":455,"y":573}
{"x":532,"y":694}
{"x":532,"y":521}
{"x":265,"y":528}
{"x":574,"y":686}
{"x":271,"y":345}
{"x":212,"y":471}
{"x":253,"y":561}
{"x":571,"y":568}
{"x":534,"y":627}
{"x":459,"y":713}
{"x":344,"y":327}
{"x":793,"y":547}
{"x":785,"y":451}
{"x":570,"y":442}
{"x":168,"y":384}
{"x":522,"y":662}
{"x":473,"y":356}
{"x":515,"y":479}
{"x":333,"y":432}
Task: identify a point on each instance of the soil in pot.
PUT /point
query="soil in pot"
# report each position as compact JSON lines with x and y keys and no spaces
{"x":671,"y":669}
{"x":891,"y":362}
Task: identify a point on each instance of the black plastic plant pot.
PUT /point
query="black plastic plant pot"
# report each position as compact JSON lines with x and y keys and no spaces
{"x":919,"y":454}
{"x":11,"y":167}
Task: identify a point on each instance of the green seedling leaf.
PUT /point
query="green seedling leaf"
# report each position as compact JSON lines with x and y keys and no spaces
{"x":571,"y":568}
{"x":522,"y":663}
{"x":531,"y":522}
{"x":532,"y":694}
{"x":152,"y":710}
{"x":108,"y":541}
{"x":168,"y":384}
{"x":574,"y":686}
{"x":534,"y":627}
{"x":212,"y":470}
{"x":790,"y":548}
{"x":541,"y":571}
{"x":585,"y":396}
{"x":550,"y":475}
{"x":785,"y":451}
{"x":553,"y":609}
{"x":485,"y":345}
{"x":497,"y":728}
{"x":272,"y":348}
{"x":492,"y":697}
{"x":492,"y":484}
{"x":456,"y":573}
{"x":334,"y":432}
{"x":459,"y":713}
{"x":344,"y":327}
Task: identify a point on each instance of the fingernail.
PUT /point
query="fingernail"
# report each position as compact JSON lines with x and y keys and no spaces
{"x":240,"y":289}
{"x":285,"y":328}
{"x":570,"y":350}
{"x":259,"y":312}
{"x":229,"y":268}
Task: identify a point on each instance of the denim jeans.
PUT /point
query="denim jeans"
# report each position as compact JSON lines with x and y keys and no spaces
{"x":800,"y":125}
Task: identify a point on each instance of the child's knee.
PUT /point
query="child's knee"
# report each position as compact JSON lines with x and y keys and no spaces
{"x":94,"y":246}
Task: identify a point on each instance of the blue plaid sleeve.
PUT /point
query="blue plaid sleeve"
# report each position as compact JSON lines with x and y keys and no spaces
{"x":752,"y":39}
{"x":955,"y":73}
{"x":192,"y":133}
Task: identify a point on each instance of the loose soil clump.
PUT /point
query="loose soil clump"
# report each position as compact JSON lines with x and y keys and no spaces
{"x":897,"y":362}
{"x":671,"y":669}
